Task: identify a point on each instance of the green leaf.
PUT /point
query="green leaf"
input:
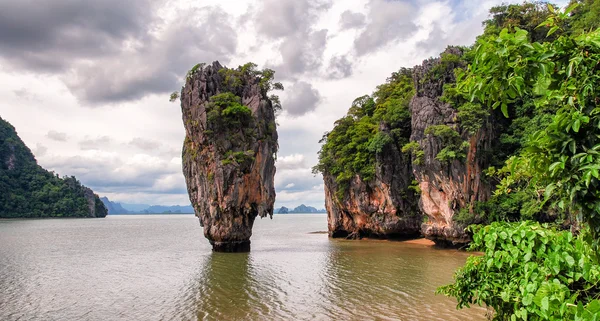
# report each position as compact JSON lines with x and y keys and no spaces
{"x":552,"y":30}
{"x":528,"y":299}
{"x":569,"y":259}
{"x":545,"y":303}
{"x":576,"y":125}
{"x":504,"y":109}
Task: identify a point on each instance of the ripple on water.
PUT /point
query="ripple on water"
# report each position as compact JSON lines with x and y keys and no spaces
{"x":161,"y":268}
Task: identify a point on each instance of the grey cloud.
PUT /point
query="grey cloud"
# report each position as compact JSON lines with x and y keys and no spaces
{"x":388,"y":21}
{"x":145,"y":144}
{"x":293,"y":161}
{"x":115,"y":175}
{"x":350,"y":20}
{"x":197,"y":35}
{"x":25,"y":94}
{"x":112,"y":51}
{"x":302,"y":180}
{"x":40,"y":150}
{"x":302,"y":53}
{"x":301,"y":98}
{"x":282,"y":18}
{"x":302,"y":46}
{"x":48,"y":36}
{"x":57,"y":136}
{"x":94,"y":143}
{"x":304,"y":146}
{"x":339,"y":67}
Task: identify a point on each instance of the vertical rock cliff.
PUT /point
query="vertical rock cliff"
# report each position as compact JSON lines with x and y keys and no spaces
{"x":229,"y":149}
{"x":368,"y":179}
{"x":383,"y":207}
{"x":447,"y":184}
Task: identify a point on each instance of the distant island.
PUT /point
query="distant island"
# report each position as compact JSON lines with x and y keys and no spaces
{"x":115,"y":208}
{"x":302,"y":209}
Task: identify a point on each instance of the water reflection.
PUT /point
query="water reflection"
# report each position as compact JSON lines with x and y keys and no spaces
{"x":158,"y":268}
{"x":390,"y":281}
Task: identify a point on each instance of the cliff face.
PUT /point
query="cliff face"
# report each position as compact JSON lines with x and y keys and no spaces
{"x":449,"y":186}
{"x":384,"y":207}
{"x":28,"y":190}
{"x":228,"y":153}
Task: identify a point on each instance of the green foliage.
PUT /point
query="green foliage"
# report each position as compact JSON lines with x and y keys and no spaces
{"x":225,"y":111}
{"x":414,"y":186}
{"x":454,"y":146}
{"x":563,"y":157}
{"x":379,"y":142}
{"x":472,"y":117}
{"x":448,"y":62}
{"x":233,"y":80}
{"x":350,"y":148}
{"x":585,"y":16}
{"x":174,"y":96}
{"x":526,"y":16}
{"x":416,"y":151}
{"x":529,"y":271}
{"x":243,"y":160}
{"x":30,"y":191}
{"x":195,"y":70}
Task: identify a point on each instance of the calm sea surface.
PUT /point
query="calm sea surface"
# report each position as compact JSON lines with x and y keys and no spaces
{"x":160,"y":267}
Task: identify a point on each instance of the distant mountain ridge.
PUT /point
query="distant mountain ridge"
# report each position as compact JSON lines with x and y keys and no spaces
{"x":116,"y":208}
{"x":302,"y":209}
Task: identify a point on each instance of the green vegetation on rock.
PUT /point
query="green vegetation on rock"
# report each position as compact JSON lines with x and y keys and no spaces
{"x":351,"y":147}
{"x":28,"y":190}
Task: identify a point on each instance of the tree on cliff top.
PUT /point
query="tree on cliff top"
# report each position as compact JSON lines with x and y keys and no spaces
{"x":233,"y":81}
{"x":350,"y":148}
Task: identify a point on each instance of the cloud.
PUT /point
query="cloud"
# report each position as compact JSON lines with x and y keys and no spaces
{"x":57,"y":136}
{"x":296,"y":180}
{"x":281,"y":18}
{"x":291,"y":162}
{"x":107,"y":172}
{"x":302,"y":53}
{"x":160,"y":64}
{"x":302,"y":46}
{"x":94,"y":143}
{"x":389,"y":21}
{"x":301,"y":98}
{"x":126,"y":57}
{"x":339,"y":67}
{"x":351,"y":20}
{"x":47,"y":38}
{"x":112,"y":51}
{"x":40,"y":150}
{"x":25,"y":94}
{"x":145,"y":144}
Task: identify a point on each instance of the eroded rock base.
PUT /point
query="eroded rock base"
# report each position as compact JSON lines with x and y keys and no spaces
{"x":231,"y":247}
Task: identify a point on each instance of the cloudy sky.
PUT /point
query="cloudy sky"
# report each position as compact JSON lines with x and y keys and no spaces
{"x":86,"y":82}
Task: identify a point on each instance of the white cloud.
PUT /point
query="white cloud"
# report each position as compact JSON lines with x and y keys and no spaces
{"x":129,"y":146}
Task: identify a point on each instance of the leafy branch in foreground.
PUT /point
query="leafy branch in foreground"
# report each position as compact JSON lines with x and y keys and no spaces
{"x":529,"y":271}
